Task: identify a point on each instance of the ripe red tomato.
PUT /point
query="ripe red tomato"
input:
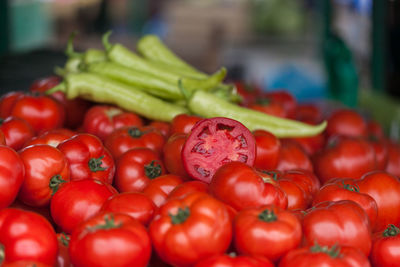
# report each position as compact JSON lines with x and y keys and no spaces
{"x":183,"y":123}
{"x":51,"y":137}
{"x":2,"y":138}
{"x":110,"y":239}
{"x":158,"y":189}
{"x":248,"y":92}
{"x":343,"y":223}
{"x":163,"y":127}
{"x":286,"y":99}
{"x":63,"y":259}
{"x":306,"y":180}
{"x":254,"y":228}
{"x":136,"y":205}
{"x":46,"y":170}
{"x":188,"y":187}
{"x":172,"y":154}
{"x":185,"y":217}
{"x":7,"y":101}
{"x":16,"y":131}
{"x":12,"y":173}
{"x":25,"y":263}
{"x":385,"y":245}
{"x":267,"y":150}
{"x":308,"y":113}
{"x":269,"y":107}
{"x":393,"y":164}
{"x":77,"y":201}
{"x":231,"y":260}
{"x":346,"y":122}
{"x":88,"y":158}
{"x":375,"y":130}
{"x":292,"y":156}
{"x":311,"y":144}
{"x":135,"y":168}
{"x":381,"y":150}
{"x":28,"y":236}
{"x":215,"y":142}
{"x":241,"y":186}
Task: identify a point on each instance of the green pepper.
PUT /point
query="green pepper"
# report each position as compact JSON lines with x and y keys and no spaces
{"x":209,"y":105}
{"x":101,"y":89}
{"x":93,"y":55}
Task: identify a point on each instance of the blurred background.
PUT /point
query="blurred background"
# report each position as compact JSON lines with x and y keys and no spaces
{"x":346,"y":51}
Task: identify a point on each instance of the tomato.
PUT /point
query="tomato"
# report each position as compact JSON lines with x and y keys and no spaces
{"x":7,"y":101}
{"x":269,"y":107}
{"x":163,"y":127}
{"x":230,"y":260}
{"x":286,"y":99}
{"x":253,"y":228}
{"x":311,"y":144}
{"x":327,"y":256}
{"x":125,"y":138}
{"x":172,"y":153}
{"x":248,"y":92}
{"x":158,"y":189}
{"x":190,"y":229}
{"x":76,"y":201}
{"x":241,"y":186}
{"x":25,"y":263}
{"x":347,"y":189}
{"x":346,"y":122}
{"x":88,"y":158}
{"x":2,"y":138}
{"x":267,"y":150}
{"x":385,"y":247}
{"x":135,"y":168}
{"x":42,"y":112}
{"x":110,"y":239}
{"x":46,"y":169}
{"x":183,"y":123}
{"x":375,"y":130}
{"x":305,"y":179}
{"x":12,"y":173}
{"x":16,"y":131}
{"x":136,"y":205}
{"x":215,"y":142}
{"x":102,"y":120}
{"x":384,"y":188}
{"x":26,"y":235}
{"x":51,"y":137}
{"x":345,"y":157}
{"x":292,"y":156}
{"x":188,"y":187}
{"x":381,"y":152}
{"x":342,"y":222}
{"x":308,"y":113}
{"x":63,"y":259}
{"x":393,"y":164}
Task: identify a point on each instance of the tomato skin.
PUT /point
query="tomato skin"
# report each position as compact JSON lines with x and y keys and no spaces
{"x":346,"y":122}
{"x":381,"y":153}
{"x":267,"y":150}
{"x":240,"y":186}
{"x":102,"y":120}
{"x":341,"y":222}
{"x":124,"y":242}
{"x":143,"y":209}
{"x":25,"y":263}
{"x":183,"y":123}
{"x":63,"y":259}
{"x":7,"y":101}
{"x":77,"y":201}
{"x":16,"y":131}
{"x":393,"y":164}
{"x":225,"y":260}
{"x":163,"y":127}
{"x":172,"y":154}
{"x":308,"y":113}
{"x":88,"y":158}
{"x":253,"y":228}
{"x":385,"y":247}
{"x":135,"y":169}
{"x":51,"y":137}
{"x":312,"y":144}
{"x":202,"y":219}
{"x":266,"y":106}
{"x":19,"y":228}
{"x":325,"y":256}
{"x":292,"y":156}
{"x":188,"y":187}
{"x":159,"y":188}
{"x":12,"y":174}
{"x":46,"y":169}
{"x":286,"y":99}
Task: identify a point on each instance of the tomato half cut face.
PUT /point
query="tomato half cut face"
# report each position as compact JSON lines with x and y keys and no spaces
{"x":214,"y":142}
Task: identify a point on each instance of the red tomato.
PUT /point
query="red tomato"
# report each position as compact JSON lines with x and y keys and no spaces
{"x":248,"y":92}
{"x":44,"y":211}
{"x":136,"y":205}
{"x":347,"y":189}
{"x":12,"y":173}
{"x":125,"y":138}
{"x":172,"y":153}
{"x":7,"y":101}
{"x":28,"y":236}
{"x":343,"y":223}
{"x":292,"y":156}
{"x":385,"y":247}
{"x":393,"y":164}
{"x":317,"y":256}
{"x":347,"y":157}
{"x":384,"y":188}
{"x":2,"y":138}
{"x":46,"y":170}
{"x":375,"y":130}
{"x":230,"y":260}
{"x":269,"y":107}
{"x":88,"y":158}
{"x":346,"y":122}
{"x":267,"y":150}
{"x":308,"y":113}
{"x":183,"y":123}
{"x":188,"y":187}
{"x":42,"y":112}
{"x":158,"y":189}
{"x":16,"y":131}
{"x":135,"y":168}
{"x":63,"y":259}
{"x":163,"y":127}
{"x":51,"y":137}
{"x":102,"y":120}
{"x":286,"y":99}
{"x":25,"y":263}
{"x":215,"y":142}
{"x":305,"y":179}
{"x":254,"y":228}
{"x":77,"y":201}
{"x":190,"y":229}
{"x":311,"y":144}
{"x":240,"y":186}
{"x":381,"y":152}
{"x":109,"y":239}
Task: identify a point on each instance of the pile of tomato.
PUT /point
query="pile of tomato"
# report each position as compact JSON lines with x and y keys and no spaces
{"x":88,"y":184}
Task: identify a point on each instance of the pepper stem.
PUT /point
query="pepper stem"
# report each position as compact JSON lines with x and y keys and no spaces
{"x":55,"y":183}
{"x":333,"y":252}
{"x":391,"y":230}
{"x":268,"y":215}
{"x":152,"y":170}
{"x":95,"y":164}
{"x":59,"y":87}
{"x":69,"y":51}
{"x":2,"y":254}
{"x":181,"y":216}
{"x":106,"y":41}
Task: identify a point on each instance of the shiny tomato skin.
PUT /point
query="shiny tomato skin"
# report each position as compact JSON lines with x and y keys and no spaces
{"x":225,"y":260}
{"x":393,"y":163}
{"x":346,"y":122}
{"x":88,"y":158}
{"x":16,"y":131}
{"x":76,"y":201}
{"x":305,"y":179}
{"x":188,"y":187}
{"x":46,"y":170}
{"x":159,"y":188}
{"x":7,"y":101}
{"x":269,"y":107}
{"x":163,"y":127}
{"x":286,"y":99}
{"x":51,"y":137}
{"x":254,"y":228}
{"x":63,"y":259}
{"x":241,"y":186}
{"x":27,"y":236}
{"x":204,"y":222}
{"x":267,"y":150}
{"x":172,"y":154}
{"x":183,"y":123}
{"x":311,"y":144}
{"x":385,"y":247}
{"x":25,"y":263}
{"x":292,"y":156}
{"x":136,"y":205}
{"x":123,"y":241}
{"x":135,"y":168}
{"x":381,"y":153}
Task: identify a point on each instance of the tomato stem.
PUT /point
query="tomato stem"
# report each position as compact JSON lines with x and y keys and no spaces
{"x":180,"y":216}
{"x":351,"y":187}
{"x":268,"y":215}
{"x":65,"y":239}
{"x":55,"y":183}
{"x":109,"y":223}
{"x":152,"y":170}
{"x":333,"y":252}
{"x":391,"y":230}
{"x":95,"y":164}
{"x":2,"y":253}
{"x":135,"y":132}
